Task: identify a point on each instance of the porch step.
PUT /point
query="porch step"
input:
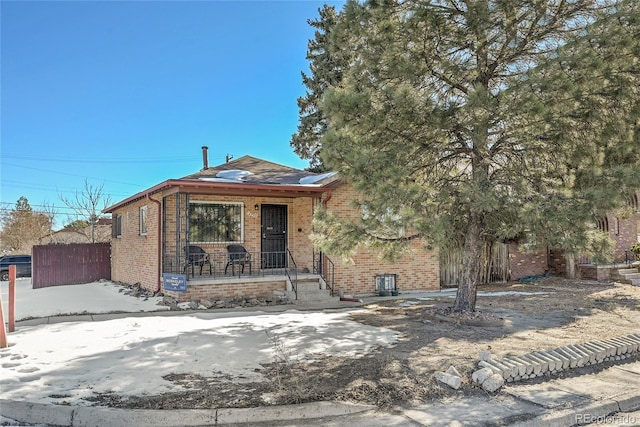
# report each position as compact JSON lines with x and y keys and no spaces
{"x":630,"y":276}
{"x":308,"y":285}
{"x":309,"y":291}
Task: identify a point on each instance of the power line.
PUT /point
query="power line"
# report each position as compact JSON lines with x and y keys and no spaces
{"x":11,"y":206}
{"x":61,"y":159}
{"x":46,"y":187}
{"x":78,"y":175}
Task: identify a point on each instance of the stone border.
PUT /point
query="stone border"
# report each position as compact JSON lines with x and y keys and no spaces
{"x":537,"y":364}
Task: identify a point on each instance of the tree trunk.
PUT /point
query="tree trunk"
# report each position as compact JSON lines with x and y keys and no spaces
{"x":570,"y":265}
{"x":471,"y":267}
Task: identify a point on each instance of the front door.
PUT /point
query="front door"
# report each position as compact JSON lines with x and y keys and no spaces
{"x":274,"y":236}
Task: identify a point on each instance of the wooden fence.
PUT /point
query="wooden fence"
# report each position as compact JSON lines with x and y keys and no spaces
{"x":54,"y":265}
{"x":496,"y":265}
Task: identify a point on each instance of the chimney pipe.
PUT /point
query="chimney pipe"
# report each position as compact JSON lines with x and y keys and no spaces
{"x":205,"y":157}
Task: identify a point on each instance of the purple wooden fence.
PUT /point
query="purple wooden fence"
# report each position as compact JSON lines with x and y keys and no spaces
{"x":54,"y":265}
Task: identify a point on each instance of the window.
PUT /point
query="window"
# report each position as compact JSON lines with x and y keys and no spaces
{"x":386,"y":282}
{"x":143,"y":220}
{"x":212,"y":222}
{"x":603,"y":224}
{"x":632,"y":201}
{"x":117,"y":225}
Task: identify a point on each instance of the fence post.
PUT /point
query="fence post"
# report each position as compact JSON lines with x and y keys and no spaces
{"x":12,"y":298}
{"x":3,"y":329}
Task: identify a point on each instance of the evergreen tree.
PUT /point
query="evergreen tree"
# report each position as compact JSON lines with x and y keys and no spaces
{"x":326,"y":68}
{"x":468,"y":122}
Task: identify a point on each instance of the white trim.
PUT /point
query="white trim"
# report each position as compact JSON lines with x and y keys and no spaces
{"x":143,"y":230}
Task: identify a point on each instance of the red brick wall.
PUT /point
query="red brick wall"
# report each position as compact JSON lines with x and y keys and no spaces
{"x":624,"y":231}
{"x":593,"y":272}
{"x":418,"y":270}
{"x":523,"y":264}
{"x":299,"y":214}
{"x":134,"y":258}
{"x":225,"y":291}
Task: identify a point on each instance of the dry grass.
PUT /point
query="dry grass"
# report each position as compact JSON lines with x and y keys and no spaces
{"x":568,"y":312}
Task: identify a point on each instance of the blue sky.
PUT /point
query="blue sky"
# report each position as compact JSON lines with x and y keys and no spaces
{"x":124,"y":93}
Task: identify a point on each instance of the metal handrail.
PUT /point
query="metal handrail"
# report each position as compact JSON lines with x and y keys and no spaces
{"x":288,"y":270}
{"x":326,"y":271}
{"x":221,"y":264}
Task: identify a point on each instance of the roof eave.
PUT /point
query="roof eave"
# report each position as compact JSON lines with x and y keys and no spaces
{"x":231,"y":188}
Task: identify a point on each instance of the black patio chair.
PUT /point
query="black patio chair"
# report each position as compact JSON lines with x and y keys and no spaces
{"x":195,"y":255}
{"x":238,"y":255}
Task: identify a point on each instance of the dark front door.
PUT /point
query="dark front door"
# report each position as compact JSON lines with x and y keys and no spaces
{"x":274,"y":236}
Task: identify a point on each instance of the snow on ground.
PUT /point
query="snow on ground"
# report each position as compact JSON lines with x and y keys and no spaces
{"x":130,"y":355}
{"x":508,"y":293}
{"x":98,"y":297}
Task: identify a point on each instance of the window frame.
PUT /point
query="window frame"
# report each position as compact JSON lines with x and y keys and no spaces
{"x":143,"y":220}
{"x":117,"y":226}
{"x":386,"y":282}
{"x":218,"y":203}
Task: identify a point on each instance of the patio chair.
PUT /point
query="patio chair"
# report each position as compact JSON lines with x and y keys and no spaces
{"x":238,"y":255}
{"x":195,"y":255}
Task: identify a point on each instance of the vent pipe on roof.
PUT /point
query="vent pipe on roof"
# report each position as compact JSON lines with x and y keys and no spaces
{"x":205,"y":157}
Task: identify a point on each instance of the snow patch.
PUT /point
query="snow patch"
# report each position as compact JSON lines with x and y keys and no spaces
{"x":233,"y":174}
{"x":313,"y":179}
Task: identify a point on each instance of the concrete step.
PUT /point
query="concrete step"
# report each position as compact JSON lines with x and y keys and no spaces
{"x":308,"y":285}
{"x":316,"y":294}
{"x":315,"y":297}
{"x":630,"y":276}
{"x":634,"y":282}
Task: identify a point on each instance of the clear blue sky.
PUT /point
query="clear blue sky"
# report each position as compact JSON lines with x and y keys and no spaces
{"x":124,"y":93}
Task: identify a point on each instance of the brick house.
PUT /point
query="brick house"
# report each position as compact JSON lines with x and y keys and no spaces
{"x":623,"y":228}
{"x":268,"y":209}
{"x":265,"y":207}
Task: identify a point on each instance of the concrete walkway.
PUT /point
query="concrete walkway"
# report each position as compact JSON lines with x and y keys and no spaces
{"x":577,"y":400}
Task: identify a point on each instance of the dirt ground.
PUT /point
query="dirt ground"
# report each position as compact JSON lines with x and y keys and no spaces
{"x":550,"y":313}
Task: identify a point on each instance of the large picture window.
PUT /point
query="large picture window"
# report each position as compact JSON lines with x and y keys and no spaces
{"x":216,"y":222}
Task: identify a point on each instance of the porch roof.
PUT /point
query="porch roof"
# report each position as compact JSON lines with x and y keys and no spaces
{"x":246,"y":176}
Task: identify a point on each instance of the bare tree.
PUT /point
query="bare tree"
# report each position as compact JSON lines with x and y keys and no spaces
{"x":22,"y":227}
{"x":87,"y":206}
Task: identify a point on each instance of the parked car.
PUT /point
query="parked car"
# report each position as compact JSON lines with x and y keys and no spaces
{"x":22,"y":263}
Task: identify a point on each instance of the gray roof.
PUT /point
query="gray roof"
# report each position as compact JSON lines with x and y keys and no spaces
{"x":251,"y":170}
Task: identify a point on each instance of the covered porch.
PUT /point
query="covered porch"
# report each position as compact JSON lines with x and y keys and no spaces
{"x":237,"y":243}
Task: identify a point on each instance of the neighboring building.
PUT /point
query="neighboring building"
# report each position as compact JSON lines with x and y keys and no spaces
{"x":623,"y":228}
{"x":71,"y":235}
